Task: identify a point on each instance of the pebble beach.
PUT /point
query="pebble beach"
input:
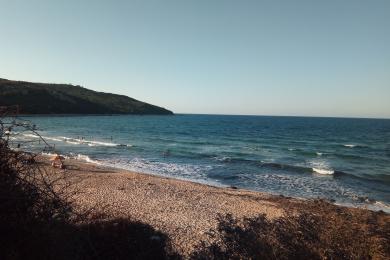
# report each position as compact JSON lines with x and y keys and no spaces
{"x":184,"y":210}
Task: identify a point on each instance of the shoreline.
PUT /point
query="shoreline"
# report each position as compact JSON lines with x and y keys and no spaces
{"x":186,"y":211}
{"x":373,"y":206}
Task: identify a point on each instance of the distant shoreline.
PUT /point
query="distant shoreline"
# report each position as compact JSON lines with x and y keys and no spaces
{"x":75,"y":115}
{"x":22,"y":97}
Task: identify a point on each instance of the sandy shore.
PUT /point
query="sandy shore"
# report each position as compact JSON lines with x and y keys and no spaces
{"x":183,"y":210}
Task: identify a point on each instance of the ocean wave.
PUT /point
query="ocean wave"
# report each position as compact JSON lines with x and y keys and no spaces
{"x":52,"y":154}
{"x":317,"y":166}
{"x":313,"y":168}
{"x":86,"y":158}
{"x":52,"y":139}
{"x":321,"y":166}
{"x":382,"y":205}
{"x":161,"y":167}
{"x":192,"y":172}
{"x":31,"y":135}
{"x":323,"y":171}
{"x":96,"y":143}
{"x":307,"y":152}
{"x":355,"y":146}
{"x":77,"y":141}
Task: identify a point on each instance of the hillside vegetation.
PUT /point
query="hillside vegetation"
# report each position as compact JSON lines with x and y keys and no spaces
{"x":43,"y":98}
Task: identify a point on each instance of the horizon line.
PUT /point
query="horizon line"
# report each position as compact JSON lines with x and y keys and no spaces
{"x":262,"y":115}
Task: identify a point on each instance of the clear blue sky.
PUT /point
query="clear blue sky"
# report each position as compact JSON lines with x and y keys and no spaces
{"x":325,"y":58}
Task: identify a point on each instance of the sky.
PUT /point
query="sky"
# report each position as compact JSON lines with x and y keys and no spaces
{"x":303,"y":57}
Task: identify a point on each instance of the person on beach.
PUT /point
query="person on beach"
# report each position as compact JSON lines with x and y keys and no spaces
{"x":58,"y":161}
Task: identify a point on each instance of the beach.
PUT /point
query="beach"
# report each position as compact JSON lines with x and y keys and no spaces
{"x":185,"y":211}
{"x":296,"y":157}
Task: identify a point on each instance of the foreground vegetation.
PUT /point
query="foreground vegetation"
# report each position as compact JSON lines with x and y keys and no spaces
{"x":42,"y":98}
{"x":321,"y":231}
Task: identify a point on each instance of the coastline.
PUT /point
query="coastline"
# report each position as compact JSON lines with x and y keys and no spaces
{"x":249,"y":153}
{"x":186,"y":211}
{"x":85,"y":115}
{"x":372,"y":205}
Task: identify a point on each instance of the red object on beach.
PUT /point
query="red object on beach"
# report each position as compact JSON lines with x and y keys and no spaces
{"x":57,"y":161}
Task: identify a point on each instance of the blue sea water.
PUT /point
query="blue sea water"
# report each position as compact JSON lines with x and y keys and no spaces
{"x":346,"y":160}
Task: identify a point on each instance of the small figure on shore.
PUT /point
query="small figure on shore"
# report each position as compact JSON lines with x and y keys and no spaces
{"x":58,"y":161}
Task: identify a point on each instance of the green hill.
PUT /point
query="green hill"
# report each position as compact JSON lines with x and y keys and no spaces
{"x":43,"y":98}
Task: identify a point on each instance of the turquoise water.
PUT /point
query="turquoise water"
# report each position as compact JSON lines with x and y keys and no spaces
{"x":346,"y":160}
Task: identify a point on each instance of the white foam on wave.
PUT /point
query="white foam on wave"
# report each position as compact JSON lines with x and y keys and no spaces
{"x":56,"y":139}
{"x":349,"y":145}
{"x":323,"y":171}
{"x":31,"y":135}
{"x":190,"y":172}
{"x":52,"y":154}
{"x":319,"y":154}
{"x":159,"y":167}
{"x":52,"y":139}
{"x":77,"y":141}
{"x":73,"y":141}
{"x":101,"y":143}
{"x":86,"y":158}
{"x":321,"y":166}
{"x":382,"y":205}
{"x":69,"y":141}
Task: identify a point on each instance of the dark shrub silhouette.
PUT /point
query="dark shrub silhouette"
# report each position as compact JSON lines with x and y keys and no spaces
{"x":322,"y":231}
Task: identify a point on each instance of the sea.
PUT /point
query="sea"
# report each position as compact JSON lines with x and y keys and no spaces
{"x":344,"y":160}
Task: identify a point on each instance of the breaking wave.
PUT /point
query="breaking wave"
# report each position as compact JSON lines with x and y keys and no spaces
{"x":323,"y":171}
{"x":86,"y":158}
{"x":77,"y":141}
